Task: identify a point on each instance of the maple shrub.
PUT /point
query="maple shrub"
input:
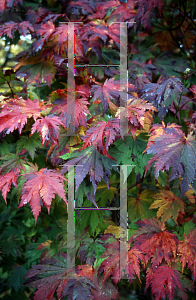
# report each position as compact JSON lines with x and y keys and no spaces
{"x":37,"y":146}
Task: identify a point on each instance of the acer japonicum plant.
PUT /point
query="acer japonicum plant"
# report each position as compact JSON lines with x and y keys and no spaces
{"x":36,"y":149}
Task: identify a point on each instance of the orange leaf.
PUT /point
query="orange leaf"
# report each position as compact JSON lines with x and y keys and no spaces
{"x":187,"y":251}
{"x":169,"y":205}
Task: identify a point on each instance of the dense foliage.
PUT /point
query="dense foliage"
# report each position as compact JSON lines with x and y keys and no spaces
{"x":35,"y":149}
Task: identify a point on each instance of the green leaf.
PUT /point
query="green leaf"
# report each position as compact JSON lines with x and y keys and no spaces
{"x":29,"y":143}
{"x":107,"y":194}
{"x":65,"y":156}
{"x":95,"y":219}
{"x":138,"y":206}
{"x":16,"y":277}
{"x":4,"y":148}
{"x":189,"y":226}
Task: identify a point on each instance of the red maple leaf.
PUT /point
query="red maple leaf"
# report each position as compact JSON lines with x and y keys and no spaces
{"x":46,"y":30}
{"x":41,"y":187}
{"x":80,"y":109}
{"x":15,"y":112}
{"x":125,"y":11}
{"x":136,"y":111}
{"x":187,"y":251}
{"x":104,"y":290}
{"x":52,"y":275}
{"x":9,"y":3}
{"x":165,"y":282}
{"x":153,"y":240}
{"x":94,"y":31}
{"x":144,"y":11}
{"x":96,"y":134}
{"x":6,"y":180}
{"x":111,"y":265}
{"x":171,"y":148}
{"x":110,"y":89}
{"x":62,"y":33}
{"x":48,"y":127}
{"x":54,"y":40}
{"x":101,"y":10}
{"x":9,"y":28}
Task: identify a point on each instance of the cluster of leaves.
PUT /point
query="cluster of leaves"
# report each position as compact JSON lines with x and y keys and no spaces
{"x":37,"y":149}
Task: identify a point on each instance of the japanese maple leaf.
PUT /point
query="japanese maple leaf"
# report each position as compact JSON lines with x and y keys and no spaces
{"x":109,"y":90}
{"x":165,"y":283}
{"x":162,"y":94}
{"x":60,"y":41}
{"x":87,"y":6}
{"x":93,"y":163}
{"x":104,"y":290}
{"x":140,"y":73}
{"x":14,"y":114}
{"x":96,"y":134}
{"x":37,"y":16}
{"x":9,"y":3}
{"x":80,"y":286}
{"x":169,"y":205}
{"x":13,"y":161}
{"x":52,"y":275}
{"x":171,"y":148}
{"x":144,"y":14}
{"x":48,"y":127}
{"x":9,"y":28}
{"x":187,"y":251}
{"x":45,"y":33}
{"x":55,"y":40}
{"x":125,"y":11}
{"x":138,"y":207}
{"x":111,"y":265}
{"x":136,"y":111}
{"x":114,"y":33}
{"x":41,"y":187}
{"x":153,"y":240}
{"x":30,"y":144}
{"x":101,"y":10}
{"x":46,"y":30}
{"x":94,"y":30}
{"x":36,"y":69}
{"x":62,"y":33}
{"x":6,"y":180}
{"x":80,"y":110}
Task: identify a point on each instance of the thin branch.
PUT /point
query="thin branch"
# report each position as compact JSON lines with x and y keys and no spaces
{"x":10,"y":88}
